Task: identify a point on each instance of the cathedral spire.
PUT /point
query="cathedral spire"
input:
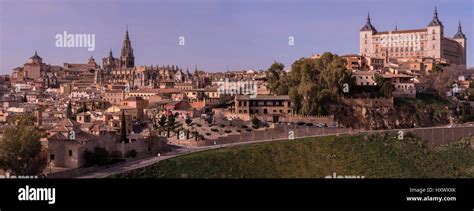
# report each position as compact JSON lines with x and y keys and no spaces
{"x":126,"y":32}
{"x":127,"y":60}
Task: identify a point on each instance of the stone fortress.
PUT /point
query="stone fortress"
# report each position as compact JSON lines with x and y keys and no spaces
{"x":412,"y":44}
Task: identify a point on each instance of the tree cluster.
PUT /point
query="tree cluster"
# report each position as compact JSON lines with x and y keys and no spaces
{"x":314,"y":85}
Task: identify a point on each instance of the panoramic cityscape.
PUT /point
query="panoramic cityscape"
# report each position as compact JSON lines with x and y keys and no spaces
{"x":397,"y":103}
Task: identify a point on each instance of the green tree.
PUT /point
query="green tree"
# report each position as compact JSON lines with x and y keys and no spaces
{"x":170,"y":124}
{"x":316,"y":85}
{"x":99,"y":156}
{"x":123,"y":129}
{"x":20,"y":146}
{"x":188,"y":120}
{"x":385,"y":86}
{"x":69,"y":110}
{"x":83,"y":108}
{"x":437,"y":68}
{"x":209,"y":120}
{"x":276,"y":79}
{"x":255,"y":121}
{"x":162,"y":121}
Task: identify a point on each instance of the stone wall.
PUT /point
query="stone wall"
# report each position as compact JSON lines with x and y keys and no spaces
{"x":434,"y":136}
{"x":277,"y":131}
{"x":328,"y":120}
{"x":442,"y":135}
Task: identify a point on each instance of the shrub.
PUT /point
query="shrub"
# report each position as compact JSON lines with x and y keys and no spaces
{"x":132,"y":153}
{"x":238,"y":131}
{"x":188,"y":121}
{"x":214,"y":130}
{"x":309,"y":124}
{"x":222,"y":125}
{"x":227,"y":131}
{"x":255,"y":126}
{"x":255,"y":120}
{"x":199,"y":125}
{"x":301,"y":123}
{"x":99,"y":157}
{"x":244,"y":126}
{"x":248,"y":129}
{"x":208,"y":134}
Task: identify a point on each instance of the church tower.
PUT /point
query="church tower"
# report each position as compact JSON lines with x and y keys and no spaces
{"x":126,"y":58}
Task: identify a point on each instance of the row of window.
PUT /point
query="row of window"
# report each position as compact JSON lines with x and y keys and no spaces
{"x":265,"y":111}
{"x":265,"y":103}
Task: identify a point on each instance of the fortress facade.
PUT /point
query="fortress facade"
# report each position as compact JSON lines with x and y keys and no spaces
{"x":428,"y":42}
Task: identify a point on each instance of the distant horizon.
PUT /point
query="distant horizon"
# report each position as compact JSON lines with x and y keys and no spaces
{"x":219,"y":35}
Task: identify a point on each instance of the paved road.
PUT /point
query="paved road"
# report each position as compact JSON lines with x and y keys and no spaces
{"x":183,"y":151}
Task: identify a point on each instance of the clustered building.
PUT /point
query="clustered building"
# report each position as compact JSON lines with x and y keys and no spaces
{"x":103,"y":96}
{"x":100,"y":96}
{"x":402,"y":56}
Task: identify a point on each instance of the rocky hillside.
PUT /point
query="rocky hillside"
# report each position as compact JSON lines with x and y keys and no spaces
{"x":424,"y":111}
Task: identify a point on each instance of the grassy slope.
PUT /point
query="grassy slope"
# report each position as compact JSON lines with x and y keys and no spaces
{"x":370,"y":156}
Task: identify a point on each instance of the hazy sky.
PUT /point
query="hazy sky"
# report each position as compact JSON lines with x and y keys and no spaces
{"x":240,"y":34}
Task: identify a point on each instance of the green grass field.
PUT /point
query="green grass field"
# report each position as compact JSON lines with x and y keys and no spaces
{"x":371,"y":156}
